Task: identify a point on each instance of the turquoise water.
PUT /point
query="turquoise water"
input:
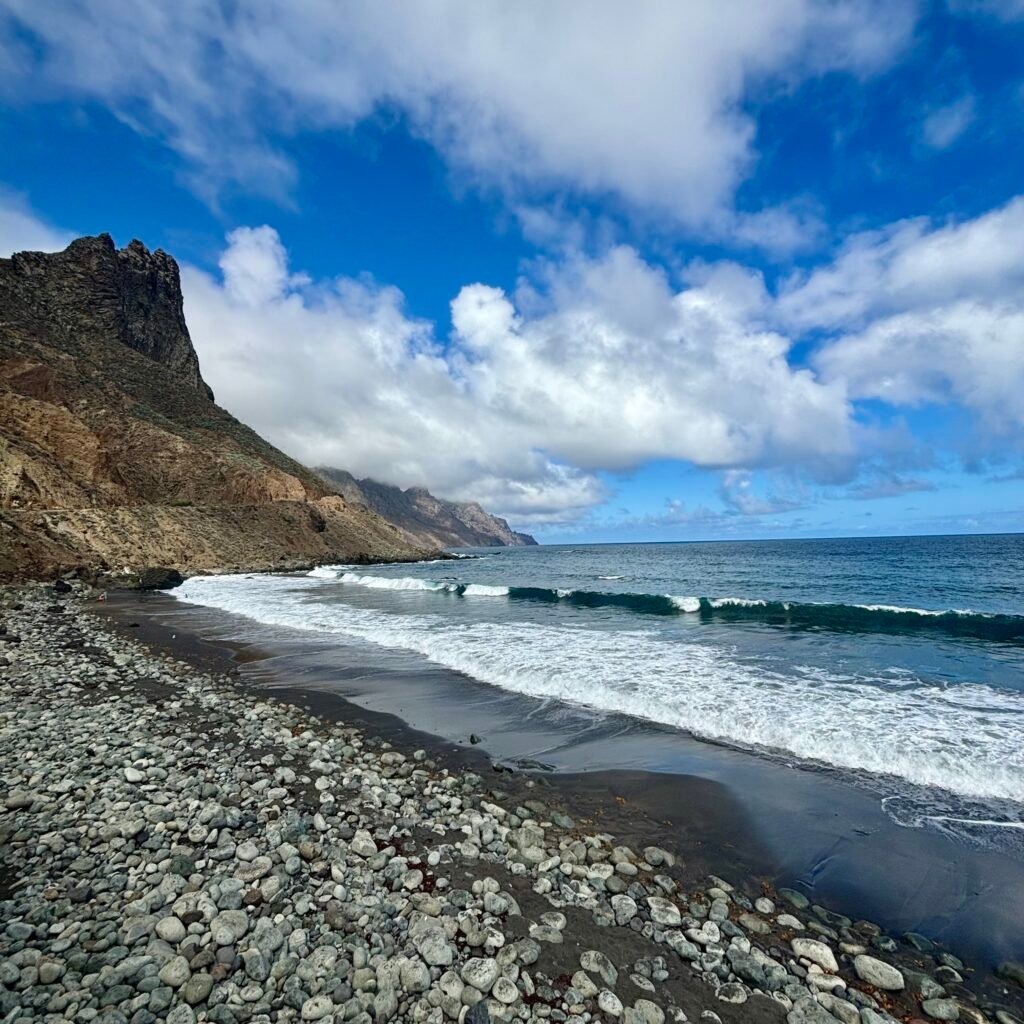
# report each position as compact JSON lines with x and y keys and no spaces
{"x":898,"y":663}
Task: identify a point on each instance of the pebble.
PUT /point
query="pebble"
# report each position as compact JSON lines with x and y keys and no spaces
{"x":878,"y":973}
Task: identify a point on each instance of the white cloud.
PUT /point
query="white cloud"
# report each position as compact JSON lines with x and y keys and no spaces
{"x":594,"y":365}
{"x":925,"y":314}
{"x":22,"y":229}
{"x":966,"y":352}
{"x":909,"y":265}
{"x":645,"y":102}
{"x":942,"y":127}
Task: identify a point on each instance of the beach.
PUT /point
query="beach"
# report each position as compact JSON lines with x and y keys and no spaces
{"x":180,"y":844}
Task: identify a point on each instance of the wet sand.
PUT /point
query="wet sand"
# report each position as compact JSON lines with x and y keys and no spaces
{"x":731,"y":813}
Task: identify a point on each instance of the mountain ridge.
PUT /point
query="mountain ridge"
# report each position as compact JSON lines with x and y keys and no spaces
{"x":113,"y":455}
{"x":427,"y":519}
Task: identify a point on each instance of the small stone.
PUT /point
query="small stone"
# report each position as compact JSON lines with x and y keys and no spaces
{"x":597,"y":963}
{"x":181,"y":1014}
{"x":1012,"y":970}
{"x":480,"y":973}
{"x":795,"y":899}
{"x":664,"y":912}
{"x":197,"y":989}
{"x":133,"y":775}
{"x":175,"y":972}
{"x":817,"y":952}
{"x":941,"y":1009}
{"x":317,"y":1007}
{"x":505,"y":991}
{"x":609,"y":1003}
{"x":170,"y":929}
{"x":878,"y":973}
{"x":625,"y":909}
{"x":732,"y":992}
{"x":583,"y":983}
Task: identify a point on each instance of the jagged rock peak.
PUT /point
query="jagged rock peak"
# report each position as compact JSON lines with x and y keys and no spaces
{"x":93,"y":289}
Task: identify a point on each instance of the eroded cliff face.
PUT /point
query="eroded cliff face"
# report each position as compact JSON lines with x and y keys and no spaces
{"x":427,"y":520}
{"x":113,"y":454}
{"x":93,"y":290}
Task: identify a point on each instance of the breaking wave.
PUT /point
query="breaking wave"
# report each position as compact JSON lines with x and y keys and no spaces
{"x":858,"y":618}
{"x":962,"y":738}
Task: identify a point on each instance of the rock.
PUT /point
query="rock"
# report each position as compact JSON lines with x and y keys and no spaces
{"x":597,"y":963}
{"x":480,"y":973}
{"x":609,"y":1003}
{"x":160,"y":579}
{"x":175,"y":972}
{"x":197,"y":989}
{"x":170,"y":929}
{"x":1012,"y":970}
{"x":432,"y":944}
{"x":505,"y":991}
{"x":229,"y":926}
{"x":941,"y":1009}
{"x":362,"y":844}
{"x":877,"y":973}
{"x":817,"y":952}
{"x":317,"y":1007}
{"x":807,"y":1011}
{"x":664,"y":912}
{"x":732,"y":992}
{"x":181,"y":1014}
{"x":133,"y":775}
{"x":478,"y":1014}
{"x":795,"y":899}
{"x":625,"y":909}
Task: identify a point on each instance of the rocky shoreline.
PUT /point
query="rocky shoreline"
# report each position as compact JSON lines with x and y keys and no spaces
{"x":174,"y":848}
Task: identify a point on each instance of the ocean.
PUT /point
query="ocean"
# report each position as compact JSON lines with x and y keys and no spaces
{"x":895,"y":665}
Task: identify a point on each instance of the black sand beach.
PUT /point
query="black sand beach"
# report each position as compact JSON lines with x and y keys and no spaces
{"x":729,"y":811}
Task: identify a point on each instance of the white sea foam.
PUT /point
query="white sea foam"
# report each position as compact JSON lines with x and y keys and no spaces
{"x":611,"y":577}
{"x":394,"y":582}
{"x":685,"y":604}
{"x":325,"y":572}
{"x":964,"y":738}
{"x":483,"y":590}
{"x":736,"y":602}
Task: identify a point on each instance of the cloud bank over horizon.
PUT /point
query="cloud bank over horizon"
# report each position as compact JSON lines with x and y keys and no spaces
{"x":695,"y":285}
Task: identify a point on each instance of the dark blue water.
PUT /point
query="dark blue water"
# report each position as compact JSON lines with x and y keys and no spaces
{"x":897,"y":662}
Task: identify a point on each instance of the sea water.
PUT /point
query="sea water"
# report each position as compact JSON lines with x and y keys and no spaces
{"x":897,"y":663}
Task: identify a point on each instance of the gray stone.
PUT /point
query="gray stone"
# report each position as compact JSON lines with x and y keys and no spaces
{"x":664,"y":912}
{"x":941,"y":1009}
{"x":175,"y":972}
{"x":817,"y":952}
{"x":878,"y":973}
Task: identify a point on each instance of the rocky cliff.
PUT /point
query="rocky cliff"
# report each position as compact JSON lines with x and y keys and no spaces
{"x":427,"y":520}
{"x":113,"y":454}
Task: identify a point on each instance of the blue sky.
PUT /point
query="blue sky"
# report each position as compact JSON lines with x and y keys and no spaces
{"x":687,"y":272}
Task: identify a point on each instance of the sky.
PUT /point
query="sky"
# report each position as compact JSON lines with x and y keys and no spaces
{"x":618,"y":272}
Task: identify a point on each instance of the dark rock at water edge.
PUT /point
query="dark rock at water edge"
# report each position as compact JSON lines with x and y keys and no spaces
{"x":160,"y":579}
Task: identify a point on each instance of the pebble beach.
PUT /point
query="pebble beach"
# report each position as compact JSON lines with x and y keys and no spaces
{"x":176,"y":848}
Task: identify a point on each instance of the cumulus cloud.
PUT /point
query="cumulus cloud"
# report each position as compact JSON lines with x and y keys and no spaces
{"x":942,"y":127}
{"x":593,"y":365}
{"x":924,"y":314}
{"x":644,"y":102}
{"x":910,"y":265}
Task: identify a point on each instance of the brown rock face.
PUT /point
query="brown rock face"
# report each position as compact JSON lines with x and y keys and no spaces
{"x":93,"y":290}
{"x":112,"y":453}
{"x":427,"y":520}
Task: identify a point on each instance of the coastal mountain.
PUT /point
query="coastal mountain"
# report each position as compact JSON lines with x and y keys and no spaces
{"x":113,"y":454}
{"x":424,"y":519}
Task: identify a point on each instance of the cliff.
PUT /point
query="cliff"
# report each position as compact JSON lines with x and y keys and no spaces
{"x":427,"y":520}
{"x":113,"y":454}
